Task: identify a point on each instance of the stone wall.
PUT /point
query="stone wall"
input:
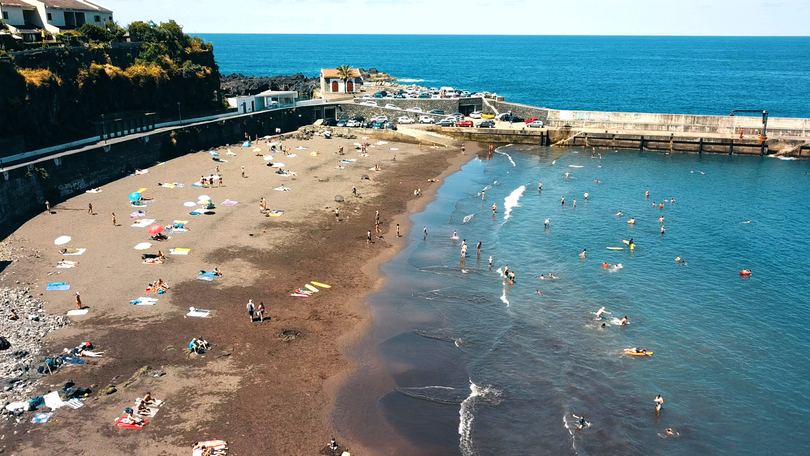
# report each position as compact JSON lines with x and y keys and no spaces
{"x":449,"y":106}
{"x":520,"y":110}
{"x":24,"y":188}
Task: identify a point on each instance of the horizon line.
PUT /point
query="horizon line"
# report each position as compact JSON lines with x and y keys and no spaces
{"x":500,"y":35}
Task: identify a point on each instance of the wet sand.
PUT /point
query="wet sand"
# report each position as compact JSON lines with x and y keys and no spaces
{"x":262,"y":394}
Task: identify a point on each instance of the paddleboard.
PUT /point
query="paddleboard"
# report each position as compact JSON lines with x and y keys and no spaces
{"x":311,"y":288}
{"x":615,"y":248}
{"x":631,"y":353}
{"x":322,"y":285}
{"x":626,"y":241}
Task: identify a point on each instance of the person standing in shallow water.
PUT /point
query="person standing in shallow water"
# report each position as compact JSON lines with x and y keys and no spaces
{"x":424,"y":232}
{"x":659,"y":403}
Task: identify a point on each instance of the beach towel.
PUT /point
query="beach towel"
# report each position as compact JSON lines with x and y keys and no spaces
{"x":78,"y":312}
{"x":198,"y":313}
{"x":180,"y":251}
{"x":72,"y":360}
{"x":196,"y":184}
{"x":53,"y":401}
{"x":137,"y":204}
{"x":40,"y":418}
{"x":230,"y":153}
{"x":215,"y":154}
{"x":300,"y":148}
{"x":347,"y":161}
{"x":208,"y":274}
{"x":143,"y":246}
{"x":140,"y":190}
{"x":74,"y":403}
{"x":66,"y":264}
{"x":142,"y":301}
{"x":292,"y":156}
{"x":275,"y":213}
{"x":394,"y":148}
{"x":125,"y":422}
{"x":74,"y":251}
{"x":200,"y":212}
{"x":152,"y":261}
{"x":282,"y":189}
{"x":168,"y":185}
{"x":143,"y":223}
{"x":207,"y":278}
{"x":229,"y":203}
{"x":59,"y":286}
{"x":138,"y":214}
{"x":93,"y":190}
{"x":314,"y":154}
{"x":246,"y":144}
{"x":139,"y":172}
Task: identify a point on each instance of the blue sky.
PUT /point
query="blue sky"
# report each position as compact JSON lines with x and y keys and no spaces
{"x":476,"y":17}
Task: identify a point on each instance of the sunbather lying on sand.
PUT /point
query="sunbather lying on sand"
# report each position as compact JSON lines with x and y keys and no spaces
{"x":135,"y":419}
{"x":159,"y":237}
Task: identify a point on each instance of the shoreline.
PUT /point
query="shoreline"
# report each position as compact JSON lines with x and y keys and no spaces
{"x":349,"y":342}
{"x":299,"y":377}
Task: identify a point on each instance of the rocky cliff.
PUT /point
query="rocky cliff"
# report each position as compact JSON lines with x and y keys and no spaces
{"x":372,"y":75}
{"x":234,"y":85}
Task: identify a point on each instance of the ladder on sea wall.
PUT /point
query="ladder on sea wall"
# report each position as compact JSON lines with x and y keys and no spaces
{"x":565,"y":142}
{"x":494,"y":111}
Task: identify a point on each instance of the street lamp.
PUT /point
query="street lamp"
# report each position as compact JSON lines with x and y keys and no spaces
{"x":178,"y":112}
{"x":103,"y":129}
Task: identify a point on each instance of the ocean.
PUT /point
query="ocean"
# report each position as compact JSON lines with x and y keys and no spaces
{"x":458,"y":361}
{"x":679,"y":75}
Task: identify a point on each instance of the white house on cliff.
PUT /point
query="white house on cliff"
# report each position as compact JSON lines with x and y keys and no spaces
{"x":331,"y":81}
{"x":54,"y":16}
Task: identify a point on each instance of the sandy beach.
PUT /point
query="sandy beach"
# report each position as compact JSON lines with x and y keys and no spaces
{"x":261,"y":392}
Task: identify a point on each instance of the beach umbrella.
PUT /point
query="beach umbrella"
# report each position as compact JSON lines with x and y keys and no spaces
{"x":154,"y":229}
{"x":62,"y":240}
{"x":257,"y":150}
{"x":143,"y":246}
{"x":134,"y":196}
{"x":189,"y":204}
{"x":203,"y":198}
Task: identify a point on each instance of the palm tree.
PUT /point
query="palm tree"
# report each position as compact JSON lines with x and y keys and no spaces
{"x":345,"y":73}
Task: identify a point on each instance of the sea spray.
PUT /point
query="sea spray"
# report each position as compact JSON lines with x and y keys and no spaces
{"x":478,"y":395}
{"x":468,"y":218}
{"x":512,"y":200}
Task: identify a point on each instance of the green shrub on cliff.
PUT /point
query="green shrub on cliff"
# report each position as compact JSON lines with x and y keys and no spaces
{"x":3,"y":25}
{"x":95,"y":32}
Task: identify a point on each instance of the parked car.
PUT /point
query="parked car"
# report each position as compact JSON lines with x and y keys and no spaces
{"x":390,"y":106}
{"x":439,"y":112}
{"x":392,"y":126}
{"x":367,"y":96}
{"x":369,"y":103}
{"x":414,"y":109}
{"x":367,"y":124}
{"x":464,"y":123}
{"x":405,"y":120}
{"x":353,"y":123}
{"x":448,"y":122}
{"x":380,"y":119}
{"x":426,"y":120}
{"x":536,"y":124}
{"x":340,"y":123}
{"x":424,"y":95}
{"x":474,"y":115}
{"x":380,"y":124}
{"x":531,"y":119}
{"x":516,"y":119}
{"x":329,"y":122}
{"x":486,"y":124}
{"x":504,"y":116}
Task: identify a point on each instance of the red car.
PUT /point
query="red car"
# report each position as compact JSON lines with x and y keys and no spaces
{"x":530,"y":120}
{"x":464,"y":123}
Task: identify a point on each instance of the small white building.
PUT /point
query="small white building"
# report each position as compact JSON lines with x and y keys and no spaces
{"x":331,"y":82}
{"x":55,"y":16}
{"x":269,"y":99}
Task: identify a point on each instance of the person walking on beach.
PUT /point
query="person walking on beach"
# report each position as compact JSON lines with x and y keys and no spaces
{"x":260,"y":312}
{"x":47,"y":207}
{"x":354,"y":190}
{"x":90,"y":208}
{"x":78,"y":300}
{"x":243,"y":171}
{"x":250,"y":309}
{"x":113,"y":218}
{"x":337,"y":214}
{"x":368,"y":237}
{"x":659,"y":403}
{"x":220,"y":183}
{"x":398,"y":235}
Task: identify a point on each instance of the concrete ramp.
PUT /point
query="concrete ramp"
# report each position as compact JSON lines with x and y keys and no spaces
{"x":427,"y":137}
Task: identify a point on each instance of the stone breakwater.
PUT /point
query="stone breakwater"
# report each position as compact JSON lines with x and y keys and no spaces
{"x":20,"y":351}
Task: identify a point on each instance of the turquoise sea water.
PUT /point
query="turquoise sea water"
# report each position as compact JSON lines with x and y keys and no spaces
{"x":689,"y":75}
{"x":482,"y":367}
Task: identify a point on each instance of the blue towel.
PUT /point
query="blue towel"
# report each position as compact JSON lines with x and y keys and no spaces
{"x":57,"y":283}
{"x":58,"y":288}
{"x":71,"y":360}
{"x":205,"y":277}
{"x":209,"y":274}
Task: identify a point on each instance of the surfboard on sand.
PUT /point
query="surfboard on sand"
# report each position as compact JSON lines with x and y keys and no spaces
{"x":322,"y":285}
{"x":311,"y":288}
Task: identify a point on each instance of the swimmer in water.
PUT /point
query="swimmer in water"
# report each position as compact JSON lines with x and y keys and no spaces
{"x":483,"y":193}
{"x":566,"y":174}
{"x":540,"y":187}
{"x":537,"y":292}
{"x":494,"y":208}
{"x":547,"y":222}
{"x":660,"y":205}
{"x":624,"y":321}
{"x":575,"y":203}
{"x":619,"y":214}
{"x":605,"y":265}
{"x":597,"y":180}
{"x":662,"y":229}
{"x":661,"y":219}
{"x":746,"y":222}
{"x":632,"y":221}
{"x":454,"y":234}
{"x":490,"y":263}
{"x":542,"y":277}
{"x":601,"y":312}
{"x":581,"y":423}
{"x":678,"y":259}
{"x":586,"y":196}
{"x":630,"y":242}
{"x":562,"y":200}
{"x":551,"y":276}
{"x":582,"y":255}
{"x":659,"y":403}
{"x":647,"y":195}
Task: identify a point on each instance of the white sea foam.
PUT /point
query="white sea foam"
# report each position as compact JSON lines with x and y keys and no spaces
{"x":468,"y":218}
{"x":478,"y":395}
{"x":498,"y":151}
{"x":512,"y":200}
{"x":410,"y":80}
{"x":503,"y":297}
{"x":575,"y":166}
{"x":570,"y":431}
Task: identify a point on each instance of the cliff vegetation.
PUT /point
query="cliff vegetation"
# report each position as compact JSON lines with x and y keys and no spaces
{"x":57,"y":94}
